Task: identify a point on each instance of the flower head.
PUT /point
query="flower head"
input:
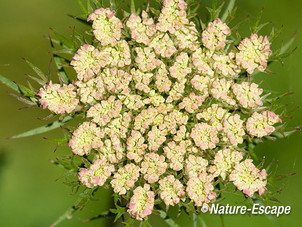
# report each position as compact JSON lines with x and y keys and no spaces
{"x":214,"y":36}
{"x":153,"y":167}
{"x":253,"y":53}
{"x":165,"y":106}
{"x":171,"y":190}
{"x":224,"y":162}
{"x":117,"y":55}
{"x":58,"y":99}
{"x":96,"y":174}
{"x":195,"y":165}
{"x":214,"y":115}
{"x":91,"y":91}
{"x":175,"y":154}
{"x":125,"y":178}
{"x":248,"y":95}
{"x":201,"y":190}
{"x":172,"y":16}
{"x":106,"y":27}
{"x":87,"y":136}
{"x":205,"y":136}
{"x":234,"y":129}
{"x":247,"y":178}
{"x":201,"y":59}
{"x":136,"y":146}
{"x":142,"y":202}
{"x":261,"y":124}
{"x":142,"y":29}
{"x":221,"y":90}
{"x":103,"y":112}
{"x":88,"y":61}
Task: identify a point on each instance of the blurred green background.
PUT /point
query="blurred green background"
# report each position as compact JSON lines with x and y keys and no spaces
{"x":29,"y":193}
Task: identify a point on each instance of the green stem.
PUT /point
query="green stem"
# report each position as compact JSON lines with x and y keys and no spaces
{"x":194,"y":220}
{"x":167,"y":219}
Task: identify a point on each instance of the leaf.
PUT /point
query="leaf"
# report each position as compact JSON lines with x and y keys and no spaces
{"x":43,"y":129}
{"x":21,"y":99}
{"x":214,"y":11}
{"x":81,"y":19}
{"x":119,"y":211}
{"x":194,"y":220}
{"x":68,"y":213}
{"x":261,"y":26}
{"x":39,"y":81}
{"x":113,"y":4}
{"x":59,"y":141}
{"x":129,"y":222}
{"x":273,"y":220}
{"x":37,"y":70}
{"x":12,"y":85}
{"x":27,"y":91}
{"x":283,"y":176}
{"x":195,"y":9}
{"x":82,"y":7}
{"x":89,"y":7}
{"x":228,"y":10}
{"x":254,"y":26}
{"x":167,"y":219}
{"x":58,"y":63}
{"x":63,"y":165}
{"x":66,"y":43}
{"x":282,"y":135}
{"x":274,"y":34}
{"x":132,"y":7}
{"x":201,"y":220}
{"x":155,"y":11}
{"x":105,"y":214}
{"x":288,"y":44}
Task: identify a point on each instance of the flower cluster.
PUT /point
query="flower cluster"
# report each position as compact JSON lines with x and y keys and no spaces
{"x":200,"y":189}
{"x":248,"y":95}
{"x":171,"y":190}
{"x":87,"y":136}
{"x":214,"y":37}
{"x":96,"y":174}
{"x":248,"y":178}
{"x":167,"y":108}
{"x":106,"y":27}
{"x":224,"y":162}
{"x":253,"y":53}
{"x":153,"y":166}
{"x":59,"y":99}
{"x":261,"y":124}
{"x":142,"y":202}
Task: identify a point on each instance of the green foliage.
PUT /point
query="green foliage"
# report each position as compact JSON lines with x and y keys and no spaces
{"x":215,"y":10}
{"x":43,"y":77}
{"x":79,"y":204}
{"x":256,"y":26}
{"x":229,"y":11}
{"x":43,"y":129}
{"x":58,"y":61}
{"x":169,"y":221}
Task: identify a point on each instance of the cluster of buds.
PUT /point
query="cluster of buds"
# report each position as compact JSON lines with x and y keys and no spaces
{"x":142,"y":202}
{"x":59,"y":99}
{"x":166,"y":108}
{"x":96,"y":174}
{"x":248,"y":178}
{"x":106,"y":27}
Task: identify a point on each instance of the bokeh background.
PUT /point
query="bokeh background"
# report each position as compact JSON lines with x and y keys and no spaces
{"x":31,"y":195}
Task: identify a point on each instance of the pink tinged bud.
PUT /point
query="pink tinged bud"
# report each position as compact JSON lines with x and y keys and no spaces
{"x":263,"y":172}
